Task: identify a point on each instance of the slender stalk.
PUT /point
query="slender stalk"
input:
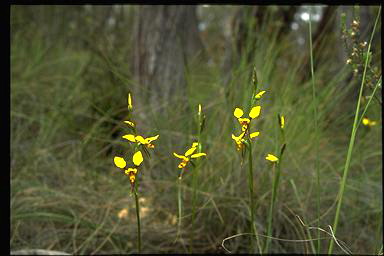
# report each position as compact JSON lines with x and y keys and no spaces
{"x":250,"y":185}
{"x":273,"y":199}
{"x":351,"y":142}
{"x":179,"y":203}
{"x":252,"y":203}
{"x":138,"y":221}
{"x":275,"y":184}
{"x":316,"y":133}
{"x":194,"y":195}
{"x":195,"y":175}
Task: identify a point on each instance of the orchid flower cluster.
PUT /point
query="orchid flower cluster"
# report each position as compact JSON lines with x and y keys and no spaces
{"x":140,"y":144}
{"x":245,"y":123}
{"x":190,"y":153}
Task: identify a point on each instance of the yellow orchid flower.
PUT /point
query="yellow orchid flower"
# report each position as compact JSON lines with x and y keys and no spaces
{"x":141,"y":140}
{"x":244,"y":122}
{"x":271,"y":158}
{"x":368,"y":122}
{"x":137,"y":159}
{"x":188,"y":155}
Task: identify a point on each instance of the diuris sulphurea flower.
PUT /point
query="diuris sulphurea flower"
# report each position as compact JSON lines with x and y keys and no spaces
{"x":245,"y":123}
{"x":137,"y":159}
{"x":188,"y":155}
{"x":141,"y":140}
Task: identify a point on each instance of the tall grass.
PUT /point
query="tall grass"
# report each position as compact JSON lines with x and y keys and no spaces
{"x":316,"y":132}
{"x":66,"y":112}
{"x":352,"y":140}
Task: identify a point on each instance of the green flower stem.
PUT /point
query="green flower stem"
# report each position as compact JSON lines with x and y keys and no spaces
{"x":275,"y":186}
{"x":195,"y":175}
{"x":179,"y":201}
{"x":273,"y":198}
{"x":252,"y":203}
{"x":351,"y":142}
{"x":138,"y":221}
{"x":316,"y":135}
{"x":194,"y":195}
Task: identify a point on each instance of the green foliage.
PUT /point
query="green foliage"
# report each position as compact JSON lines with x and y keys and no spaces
{"x":67,"y":104}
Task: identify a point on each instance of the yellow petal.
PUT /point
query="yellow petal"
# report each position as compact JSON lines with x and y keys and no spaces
{"x":180,"y":156}
{"x":365,"y":121}
{"x":130,"y":137}
{"x":194,"y":144}
{"x":258,"y":96}
{"x":137,"y":158}
{"x":134,"y":170}
{"x":199,"y":109}
{"x":198,"y":155}
{"x":238,"y":112}
{"x":255,"y":112}
{"x":130,"y":123}
{"x":119,"y":162}
{"x":152,"y":138}
{"x":271,"y":158}
{"x":254,"y":134}
{"x":190,"y":151}
{"x":140,"y":139}
{"x":238,"y":138}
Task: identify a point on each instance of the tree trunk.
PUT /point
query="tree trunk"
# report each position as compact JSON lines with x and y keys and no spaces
{"x":165,"y":37}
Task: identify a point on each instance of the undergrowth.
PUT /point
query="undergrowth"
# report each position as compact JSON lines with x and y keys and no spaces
{"x":66,"y":109}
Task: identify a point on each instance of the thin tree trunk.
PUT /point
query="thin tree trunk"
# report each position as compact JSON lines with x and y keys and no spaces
{"x":165,"y":37}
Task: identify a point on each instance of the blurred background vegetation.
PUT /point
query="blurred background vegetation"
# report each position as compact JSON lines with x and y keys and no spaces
{"x":72,"y":68}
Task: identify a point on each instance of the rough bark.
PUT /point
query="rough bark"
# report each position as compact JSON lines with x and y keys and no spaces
{"x":165,"y":38}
